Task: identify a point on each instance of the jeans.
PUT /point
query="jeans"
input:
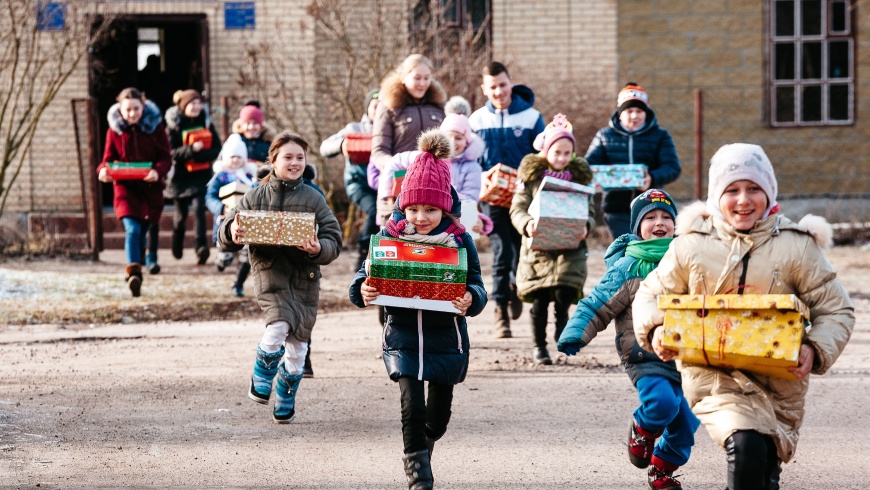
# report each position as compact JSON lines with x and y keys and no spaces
{"x":505,"y":241}
{"x":182,"y":207}
{"x":662,"y":406}
{"x":618,"y":224}
{"x":367,"y":201}
{"x":134,"y":239}
{"x":422,"y":418}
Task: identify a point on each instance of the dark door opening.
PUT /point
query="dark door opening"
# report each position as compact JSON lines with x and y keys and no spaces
{"x":158,"y":54}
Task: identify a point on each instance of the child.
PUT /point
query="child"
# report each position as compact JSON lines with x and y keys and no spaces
{"x":737,"y":242}
{"x":288,"y":278}
{"x":231,"y":166}
{"x":663,"y":411}
{"x":426,"y":345}
{"x":544,"y":276}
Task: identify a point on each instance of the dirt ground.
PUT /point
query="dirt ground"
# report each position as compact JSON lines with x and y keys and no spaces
{"x":120,"y":401}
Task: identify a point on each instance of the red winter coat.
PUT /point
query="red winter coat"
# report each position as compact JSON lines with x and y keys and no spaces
{"x":145,"y":141}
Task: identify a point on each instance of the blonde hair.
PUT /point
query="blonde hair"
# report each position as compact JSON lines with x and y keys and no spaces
{"x":412,"y":62}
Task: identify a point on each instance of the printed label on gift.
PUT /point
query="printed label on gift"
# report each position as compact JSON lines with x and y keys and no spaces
{"x":385,"y":253}
{"x":419,"y":252}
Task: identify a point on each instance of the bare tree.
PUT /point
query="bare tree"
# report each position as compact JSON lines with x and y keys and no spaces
{"x":35,"y":62}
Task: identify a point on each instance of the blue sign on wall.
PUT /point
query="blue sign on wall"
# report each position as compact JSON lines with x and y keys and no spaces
{"x":51,"y":16}
{"x":239,"y":15}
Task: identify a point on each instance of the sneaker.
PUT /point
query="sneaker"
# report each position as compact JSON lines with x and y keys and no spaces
{"x":640,"y":445}
{"x":238,"y":292}
{"x":541,"y":356}
{"x":153,"y":268}
{"x":257,"y":397}
{"x":284,"y":418}
{"x":514,"y":304}
{"x":662,"y":479}
{"x":201,"y":255}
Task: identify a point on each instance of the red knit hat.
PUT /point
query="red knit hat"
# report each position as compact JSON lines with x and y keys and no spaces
{"x":427,"y":180}
{"x":251,"y":113}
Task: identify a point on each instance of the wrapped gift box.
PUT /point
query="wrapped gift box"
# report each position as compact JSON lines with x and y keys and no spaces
{"x":128,"y":170}
{"x":276,"y":227}
{"x":761,"y":333}
{"x":192,"y":166}
{"x":561,"y":210}
{"x":232,"y":193}
{"x":416,"y":275}
{"x":498,"y":185}
{"x":198,"y":134}
{"x":358,"y":147}
{"x":398,"y":178}
{"x":623,"y":176}
{"x":469,"y":217}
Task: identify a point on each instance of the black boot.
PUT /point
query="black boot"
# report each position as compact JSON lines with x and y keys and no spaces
{"x":178,"y":242}
{"x":747,"y":452}
{"x":538,"y":318}
{"x":418,"y":470}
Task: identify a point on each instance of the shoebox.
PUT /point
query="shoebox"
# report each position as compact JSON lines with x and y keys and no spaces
{"x":621,"y":176}
{"x":416,"y":275}
{"x":197,"y":134}
{"x":398,"y":178}
{"x":128,"y":170}
{"x":276,"y":227}
{"x":761,"y":333}
{"x":232,"y":193}
{"x":498,"y":185}
{"x":561,"y":210}
{"x":358,"y":147}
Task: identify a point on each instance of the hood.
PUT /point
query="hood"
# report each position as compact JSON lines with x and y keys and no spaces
{"x":533,"y":165}
{"x":616,"y":250}
{"x":394,"y":96}
{"x":473,"y":151}
{"x":174,"y":116}
{"x":651,"y":122}
{"x":522,"y":98}
{"x":149,"y":122}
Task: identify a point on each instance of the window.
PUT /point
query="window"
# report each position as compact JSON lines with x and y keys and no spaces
{"x":813,"y":63}
{"x":450,"y":26}
{"x":148,"y":48}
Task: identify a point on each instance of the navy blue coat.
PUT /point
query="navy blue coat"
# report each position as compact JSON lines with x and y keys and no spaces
{"x":611,"y":300}
{"x":650,"y":145}
{"x":509,"y":135}
{"x":439,"y":339}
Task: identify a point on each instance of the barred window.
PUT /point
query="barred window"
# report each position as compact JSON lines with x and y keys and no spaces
{"x":450,"y":24}
{"x":812,"y":50}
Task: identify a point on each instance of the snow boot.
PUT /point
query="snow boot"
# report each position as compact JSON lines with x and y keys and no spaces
{"x":502,"y":321}
{"x":285,"y":396}
{"x":178,"y":242}
{"x":661,"y":475}
{"x":133,"y":277}
{"x":640,"y":444}
{"x":265,"y":369}
{"x":516,"y":306}
{"x":418,"y":470}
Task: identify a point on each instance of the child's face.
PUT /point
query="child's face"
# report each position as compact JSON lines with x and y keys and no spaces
{"x":632,"y":118}
{"x":417,"y":82}
{"x":498,"y":90}
{"x":289,"y":164}
{"x":459,"y":142}
{"x":252,"y":129}
{"x":236,"y":162}
{"x":743,"y":203}
{"x":193,"y":108}
{"x":424,"y":216}
{"x":131,"y":110}
{"x":559,"y":154}
{"x":657,"y":223}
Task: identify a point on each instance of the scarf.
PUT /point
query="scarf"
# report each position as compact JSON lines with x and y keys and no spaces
{"x":648,"y":254}
{"x":448,"y":232}
{"x":562,"y":175}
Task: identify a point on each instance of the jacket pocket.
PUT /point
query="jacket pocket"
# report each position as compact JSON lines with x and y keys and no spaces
{"x":307,"y":286}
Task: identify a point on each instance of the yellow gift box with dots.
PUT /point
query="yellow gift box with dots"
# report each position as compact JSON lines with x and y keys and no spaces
{"x":761,"y":333}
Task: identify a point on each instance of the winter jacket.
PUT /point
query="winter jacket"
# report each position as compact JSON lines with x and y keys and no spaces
{"x":258,"y":148}
{"x":784,"y":258}
{"x":465,"y":170}
{"x":400,"y":119}
{"x":183,"y":184}
{"x":611,"y":300}
{"x":508,"y":134}
{"x":354,"y":174}
{"x":547,"y":268}
{"x":144,"y":141}
{"x":222,"y":177}
{"x":650,"y":145}
{"x":288,"y":279}
{"x":437,"y":339}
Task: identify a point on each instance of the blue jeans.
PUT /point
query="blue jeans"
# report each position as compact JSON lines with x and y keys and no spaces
{"x":618,"y":224}
{"x":134,"y":239}
{"x":505,"y":241}
{"x":662,"y":406}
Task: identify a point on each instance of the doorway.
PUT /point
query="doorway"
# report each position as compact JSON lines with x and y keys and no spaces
{"x":158,"y":54}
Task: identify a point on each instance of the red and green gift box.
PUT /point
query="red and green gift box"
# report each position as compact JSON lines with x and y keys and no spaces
{"x":416,"y":275}
{"x":128,"y":170}
{"x":193,"y":135}
{"x":498,"y":185}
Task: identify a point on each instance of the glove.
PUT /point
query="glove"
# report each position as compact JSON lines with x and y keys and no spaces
{"x":571,"y":349}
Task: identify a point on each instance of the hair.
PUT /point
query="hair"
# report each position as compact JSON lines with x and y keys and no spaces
{"x":282,"y":139}
{"x":253,"y":102}
{"x":130,"y":93}
{"x":411,"y":62}
{"x":494,"y":69}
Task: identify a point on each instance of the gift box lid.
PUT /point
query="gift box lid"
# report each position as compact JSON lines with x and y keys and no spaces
{"x":557,"y":198}
{"x":733,"y":302}
{"x":618,"y":176}
{"x":130,"y":165}
{"x":198,"y":133}
{"x":392,"y":258}
{"x":276,"y":227}
{"x":233,"y":188}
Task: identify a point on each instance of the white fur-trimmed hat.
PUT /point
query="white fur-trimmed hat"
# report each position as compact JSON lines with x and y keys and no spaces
{"x":740,"y":161}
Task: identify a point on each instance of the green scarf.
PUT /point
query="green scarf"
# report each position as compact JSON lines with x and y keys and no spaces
{"x":648,"y":254}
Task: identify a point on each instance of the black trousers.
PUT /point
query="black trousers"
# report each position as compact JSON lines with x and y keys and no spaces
{"x":505,"y":241}
{"x":421,"y":417}
{"x":752,"y":461}
{"x":563,"y":297}
{"x":182,"y":207}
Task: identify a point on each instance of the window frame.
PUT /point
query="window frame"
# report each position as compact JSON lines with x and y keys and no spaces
{"x":418,"y":26}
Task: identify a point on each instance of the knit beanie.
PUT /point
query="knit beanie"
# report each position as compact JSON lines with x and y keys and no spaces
{"x":558,"y":128}
{"x":427,"y":180}
{"x":458,"y":123}
{"x":184,"y":97}
{"x":740,"y":161}
{"x":458,"y":105}
{"x":650,"y":200}
{"x":370,"y":96}
{"x":234,"y":147}
{"x":632,"y":95}
{"x":251,"y":113}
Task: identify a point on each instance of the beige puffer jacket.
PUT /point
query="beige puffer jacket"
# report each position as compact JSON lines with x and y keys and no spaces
{"x":706,"y":258}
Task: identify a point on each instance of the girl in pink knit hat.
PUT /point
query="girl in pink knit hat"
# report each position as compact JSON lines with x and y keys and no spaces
{"x":423,"y":346}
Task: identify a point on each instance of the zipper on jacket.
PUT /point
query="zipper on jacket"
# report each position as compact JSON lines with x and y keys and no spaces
{"x":630,"y":148}
{"x":420,"y":344}
{"x":420,"y":113}
{"x":458,"y":336}
{"x":386,"y":321}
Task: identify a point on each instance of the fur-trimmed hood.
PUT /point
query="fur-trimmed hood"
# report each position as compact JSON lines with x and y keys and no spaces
{"x":174,"y":115}
{"x":696,"y":219}
{"x":533,"y":165}
{"x":151,"y":118}
{"x":394,"y":96}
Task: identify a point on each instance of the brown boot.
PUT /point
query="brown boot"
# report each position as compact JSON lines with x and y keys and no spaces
{"x":502,"y":322}
{"x":133,"y":276}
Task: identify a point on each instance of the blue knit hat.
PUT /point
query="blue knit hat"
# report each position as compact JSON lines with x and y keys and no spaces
{"x":650,"y":200}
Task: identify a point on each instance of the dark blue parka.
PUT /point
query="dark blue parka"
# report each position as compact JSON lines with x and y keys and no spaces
{"x":509,"y":134}
{"x":650,"y":145}
{"x":437,"y":338}
{"x":611,"y":300}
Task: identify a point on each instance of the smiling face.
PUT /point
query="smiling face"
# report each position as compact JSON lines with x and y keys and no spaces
{"x":743,"y":203}
{"x":251,"y":129}
{"x":632,"y":118}
{"x":289,"y":163}
{"x":131,"y":110}
{"x":657,"y":223}
{"x":418,"y":80}
{"x":424,"y":217}
{"x":498,"y":90}
{"x":193,"y":108}
{"x":559,"y":154}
